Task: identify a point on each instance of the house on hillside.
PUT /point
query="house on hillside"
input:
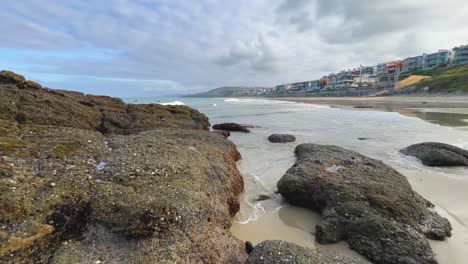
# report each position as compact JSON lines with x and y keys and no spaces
{"x":413,"y":63}
{"x":436,"y":59}
{"x":460,"y":55}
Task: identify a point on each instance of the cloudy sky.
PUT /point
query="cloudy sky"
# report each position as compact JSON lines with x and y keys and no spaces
{"x":161,"y":47}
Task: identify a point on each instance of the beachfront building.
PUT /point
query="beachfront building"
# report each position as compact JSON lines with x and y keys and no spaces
{"x":413,"y":63}
{"x":367,"y":70}
{"x":308,"y":86}
{"x":380,"y":68}
{"x":394,"y":67}
{"x":345,"y":79}
{"x":433,"y":60}
{"x":460,"y":55}
{"x":326,"y":82}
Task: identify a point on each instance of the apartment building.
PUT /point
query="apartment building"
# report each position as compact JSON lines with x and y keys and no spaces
{"x":436,"y":59}
{"x":382,"y":74}
{"x":413,"y":63}
{"x":460,"y":55}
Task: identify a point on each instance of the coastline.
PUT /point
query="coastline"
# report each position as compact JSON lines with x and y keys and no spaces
{"x":441,"y":110}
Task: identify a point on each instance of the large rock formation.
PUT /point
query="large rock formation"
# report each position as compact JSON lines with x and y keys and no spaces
{"x":280,"y":252}
{"x":364,"y":202}
{"x":89,"y":178}
{"x":438,"y":154}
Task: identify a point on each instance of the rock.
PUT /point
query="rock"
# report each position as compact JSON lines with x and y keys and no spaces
{"x":248,"y":247}
{"x":262,"y":197}
{"x":11,"y":77}
{"x":363,"y":106}
{"x":438,"y":154}
{"x":167,"y":194}
{"x":281,"y":138}
{"x":279,"y":252}
{"x":364,"y":202}
{"x":30,"y":84}
{"x":231,"y":127}
{"x":98,"y":113}
{"x":223,"y":133}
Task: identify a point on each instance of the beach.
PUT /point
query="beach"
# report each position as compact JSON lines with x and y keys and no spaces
{"x":442,"y":110}
{"x":379,"y":132}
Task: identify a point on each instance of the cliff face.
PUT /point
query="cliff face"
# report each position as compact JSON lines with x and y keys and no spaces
{"x":90,"y":178}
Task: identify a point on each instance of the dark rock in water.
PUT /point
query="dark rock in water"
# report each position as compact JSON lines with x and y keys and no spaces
{"x":365,"y":202}
{"x":281,"y":138}
{"x":167,"y":194}
{"x":280,"y":252}
{"x":363,"y":138}
{"x":262,"y":197}
{"x":363,"y":106}
{"x":437,"y":154}
{"x":223,"y":133}
{"x":248,"y":247}
{"x":231,"y":127}
{"x":250,"y":126}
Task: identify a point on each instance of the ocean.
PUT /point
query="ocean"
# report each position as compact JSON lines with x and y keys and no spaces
{"x":377,"y":134}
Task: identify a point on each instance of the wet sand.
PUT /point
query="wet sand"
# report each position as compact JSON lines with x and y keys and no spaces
{"x":445,"y":111}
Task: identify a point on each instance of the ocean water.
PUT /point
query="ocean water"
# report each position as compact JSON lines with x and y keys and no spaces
{"x":376,"y":134}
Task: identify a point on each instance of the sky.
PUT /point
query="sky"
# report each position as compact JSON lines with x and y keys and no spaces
{"x":145,"y":48}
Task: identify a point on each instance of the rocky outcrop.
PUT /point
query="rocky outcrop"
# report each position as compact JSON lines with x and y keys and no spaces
{"x":233,"y":127}
{"x":11,"y":77}
{"x":279,"y":252}
{"x":438,"y":154}
{"x":364,"y":202}
{"x":90,"y":178}
{"x":281,"y":138}
{"x":223,"y":133}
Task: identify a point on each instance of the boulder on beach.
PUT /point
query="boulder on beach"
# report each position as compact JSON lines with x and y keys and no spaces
{"x":437,"y":154}
{"x":279,"y":252}
{"x":364,"y":202}
{"x":281,"y":138}
{"x":231,"y":127}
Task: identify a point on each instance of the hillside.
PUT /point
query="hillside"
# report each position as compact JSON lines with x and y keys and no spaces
{"x":231,"y":91}
{"x":411,"y":80}
{"x":444,"y":81}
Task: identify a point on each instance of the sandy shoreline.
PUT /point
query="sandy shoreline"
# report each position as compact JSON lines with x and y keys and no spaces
{"x":445,"y":111}
{"x":445,"y":187}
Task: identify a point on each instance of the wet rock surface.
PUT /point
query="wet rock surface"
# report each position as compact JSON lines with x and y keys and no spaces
{"x":438,"y":154}
{"x":279,"y":252}
{"x":233,"y":127}
{"x":90,"y":178}
{"x":281,"y":138}
{"x":364,"y":202}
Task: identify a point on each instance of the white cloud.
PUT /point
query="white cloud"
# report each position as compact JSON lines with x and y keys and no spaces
{"x":197,"y":45}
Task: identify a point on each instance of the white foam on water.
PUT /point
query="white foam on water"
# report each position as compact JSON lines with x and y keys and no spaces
{"x":174,"y":103}
{"x":232,"y":100}
{"x":272,"y":205}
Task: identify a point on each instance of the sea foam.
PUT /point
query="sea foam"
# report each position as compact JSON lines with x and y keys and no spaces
{"x":174,"y":103}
